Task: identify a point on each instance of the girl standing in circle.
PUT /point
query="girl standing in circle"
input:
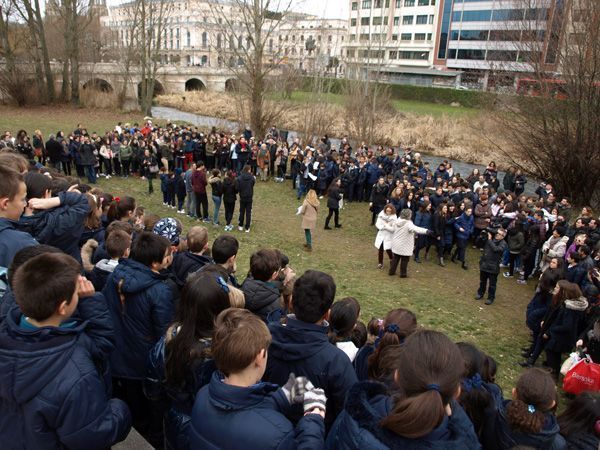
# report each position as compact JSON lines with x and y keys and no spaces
{"x":309,"y":211}
{"x":386,"y":221}
{"x":334,"y":196}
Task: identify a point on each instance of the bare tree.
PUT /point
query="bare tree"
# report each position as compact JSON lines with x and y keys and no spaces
{"x":245,"y":45}
{"x":552,"y":128}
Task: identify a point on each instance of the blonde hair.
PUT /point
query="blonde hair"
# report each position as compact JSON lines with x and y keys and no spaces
{"x":236,"y":297}
{"x":311,"y":197}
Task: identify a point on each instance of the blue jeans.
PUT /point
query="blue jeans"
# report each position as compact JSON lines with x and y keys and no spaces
{"x":90,"y":171}
{"x":191,"y":204}
{"x":217,"y":201}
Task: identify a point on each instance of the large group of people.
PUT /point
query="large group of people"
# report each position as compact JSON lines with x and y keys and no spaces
{"x":112,"y":316}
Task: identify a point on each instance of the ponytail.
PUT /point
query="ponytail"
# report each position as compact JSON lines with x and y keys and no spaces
{"x":535,"y":396}
{"x":524,"y":418}
{"x":416,"y":416}
{"x":119,"y":207}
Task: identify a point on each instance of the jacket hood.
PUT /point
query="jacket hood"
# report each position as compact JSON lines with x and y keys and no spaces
{"x":578,"y":304}
{"x":259,"y":294}
{"x":401,"y":223}
{"x":232,"y":398}
{"x":543,"y":439}
{"x":213,"y":179}
{"x":368,"y":403}
{"x":136,"y":276}
{"x":107,"y":265}
{"x":46,"y":349}
{"x":7,"y":224}
{"x":297,"y":340}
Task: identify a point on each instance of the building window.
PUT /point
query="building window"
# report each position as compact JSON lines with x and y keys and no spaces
{"x":423,"y":3}
{"x":398,"y":3}
{"x":354,"y":6}
{"x":376,"y":20}
{"x":409,"y":2}
{"x":366,"y":4}
{"x":350,"y":53}
{"x":204,"y":40}
{"x":394,"y":37}
{"x":271,"y":45}
{"x":406,"y":37}
{"x":431,"y":18}
{"x":364,"y":37}
{"x":352,"y":38}
{"x":471,"y":54}
{"x":393,"y":54}
{"x":501,"y":55}
{"x":407,"y":20}
{"x":364,"y":21}
{"x":422,"y":20}
{"x":385,"y":20}
{"x":396,"y":21}
{"x":352,"y":22}
{"x":188,"y":38}
{"x":429,"y":36}
{"x":419,"y":36}
{"x":378,"y":3}
{"x":445,"y":28}
{"x":422,"y":56}
{"x":219,"y":38}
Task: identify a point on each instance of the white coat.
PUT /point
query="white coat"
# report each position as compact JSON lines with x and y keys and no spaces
{"x":386,"y":224}
{"x":403,"y":241}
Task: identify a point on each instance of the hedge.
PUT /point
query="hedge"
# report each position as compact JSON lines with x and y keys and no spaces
{"x":472,"y":99}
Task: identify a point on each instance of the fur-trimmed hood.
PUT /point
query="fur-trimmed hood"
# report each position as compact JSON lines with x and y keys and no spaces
{"x":577,"y":304}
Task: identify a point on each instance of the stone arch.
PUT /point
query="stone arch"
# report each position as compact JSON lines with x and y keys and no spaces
{"x":194,"y":84}
{"x":158,"y":88}
{"x":98,"y":84}
{"x":232,"y":84}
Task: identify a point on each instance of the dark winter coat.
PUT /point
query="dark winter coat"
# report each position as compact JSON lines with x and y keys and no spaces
{"x":492,"y":254}
{"x":87,"y":155}
{"x":51,"y":394}
{"x":467,"y":224}
{"x":237,"y":418}
{"x":438,"y":226}
{"x":537,"y":309}
{"x":358,"y":426}
{"x":423,"y":220}
{"x":449,"y":231}
{"x":199,"y":181}
{"x":582,"y":441}
{"x":567,"y":325}
{"x":185,"y":263}
{"x":497,"y":434}
{"x":515,"y":240}
{"x":361,"y":362}
{"x":245,"y":186}
{"x":141,"y":306}
{"x":60,"y":227}
{"x":379,"y":196}
{"x":575,"y":274}
{"x":333,"y":198}
{"x":304,"y":349}
{"x":262,"y":298}
{"x":180,"y":399}
{"x":54,"y":150}
{"x":12,"y":240}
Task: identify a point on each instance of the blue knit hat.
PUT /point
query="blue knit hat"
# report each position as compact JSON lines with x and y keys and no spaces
{"x":169,"y":228}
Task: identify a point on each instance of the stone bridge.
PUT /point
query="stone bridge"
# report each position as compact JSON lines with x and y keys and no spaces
{"x":109,"y":77}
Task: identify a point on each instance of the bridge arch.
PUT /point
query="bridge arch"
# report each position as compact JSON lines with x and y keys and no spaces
{"x":232,"y":84}
{"x":194,"y":84}
{"x":158,"y":88}
{"x":98,"y":84}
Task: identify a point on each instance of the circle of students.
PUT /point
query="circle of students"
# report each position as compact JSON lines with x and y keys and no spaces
{"x":111,"y":318}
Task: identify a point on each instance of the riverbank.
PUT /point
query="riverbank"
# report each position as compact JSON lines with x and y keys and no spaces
{"x":468,"y":138}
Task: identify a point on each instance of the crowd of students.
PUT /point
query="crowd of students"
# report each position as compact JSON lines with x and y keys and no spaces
{"x":111,"y":317}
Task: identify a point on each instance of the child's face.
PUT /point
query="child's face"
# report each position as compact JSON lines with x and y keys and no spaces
{"x":13,"y":208}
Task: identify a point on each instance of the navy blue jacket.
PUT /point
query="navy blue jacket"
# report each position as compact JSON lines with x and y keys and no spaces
{"x":361,"y":362}
{"x":304,"y":349}
{"x":185,"y":263}
{"x":232,"y":418}
{"x":11,"y":241}
{"x":497,"y":434}
{"x":565,"y":329}
{"x":537,"y":309}
{"x":62,"y":226}
{"x":244,"y":184}
{"x":466,"y":223}
{"x":358,"y":426}
{"x":51,"y":393}
{"x":141,"y":319}
{"x":423,"y":220}
{"x":262,"y":298}
{"x":180,"y":400}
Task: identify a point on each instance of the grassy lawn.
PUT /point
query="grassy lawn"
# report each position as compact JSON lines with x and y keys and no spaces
{"x":442,"y":298}
{"x":403,"y":106}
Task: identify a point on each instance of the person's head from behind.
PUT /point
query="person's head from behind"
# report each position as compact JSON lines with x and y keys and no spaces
{"x":265,"y":265}
{"x":313,"y":295}
{"x":359,"y":335}
{"x":13,"y":193}
{"x":25,"y":254}
{"x":118,"y":244}
{"x":121,"y":209}
{"x":342,"y":319}
{"x":428,"y":373}
{"x":474,"y":398}
{"x":533,"y":397}
{"x":151,"y":250}
{"x":204,"y":295}
{"x":240,"y":344}
{"x":224,"y":251}
{"x":197,"y":239}
{"x":45,"y":287}
{"x":581,"y":416}
{"x":14,"y":161}
{"x":38,"y":185}
{"x":118,"y":225}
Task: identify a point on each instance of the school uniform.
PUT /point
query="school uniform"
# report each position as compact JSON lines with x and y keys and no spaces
{"x":262,"y":297}
{"x":12,"y":240}
{"x":185,"y":263}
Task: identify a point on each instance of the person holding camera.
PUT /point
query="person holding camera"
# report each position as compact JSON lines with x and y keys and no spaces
{"x":489,"y":264}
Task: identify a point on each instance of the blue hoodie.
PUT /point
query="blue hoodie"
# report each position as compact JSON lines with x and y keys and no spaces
{"x":12,"y":240}
{"x":358,"y":426}
{"x":304,"y":349}
{"x":466,"y":223}
{"x":51,"y":394}
{"x":140,"y":317}
{"x":62,"y":226}
{"x":232,"y":418}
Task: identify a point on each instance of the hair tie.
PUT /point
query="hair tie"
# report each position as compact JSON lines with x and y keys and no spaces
{"x":531,"y":409}
{"x":392,"y":328}
{"x":222,"y":284}
{"x":117,"y":199}
{"x":433,"y":387}
{"x":474,"y":382}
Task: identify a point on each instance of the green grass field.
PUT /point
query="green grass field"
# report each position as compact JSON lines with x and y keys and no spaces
{"x":402,"y":106}
{"x":442,"y":298}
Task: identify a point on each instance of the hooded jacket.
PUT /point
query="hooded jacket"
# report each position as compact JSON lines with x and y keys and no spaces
{"x":12,"y":240}
{"x":244,"y":184}
{"x":403,"y":240}
{"x":51,"y":393}
{"x":467,"y":224}
{"x":358,"y":426}
{"x":566,"y":327}
{"x":238,"y":418}
{"x":229,"y":190}
{"x":141,"y":306}
{"x":187,"y":262}
{"x":497,"y":434}
{"x":492,"y":254}
{"x":262,"y":297}
{"x":304,"y":349}
{"x":60,"y":227}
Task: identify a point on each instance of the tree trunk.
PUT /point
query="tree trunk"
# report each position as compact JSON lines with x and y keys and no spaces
{"x":50,"y":90}
{"x":64,"y":89}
